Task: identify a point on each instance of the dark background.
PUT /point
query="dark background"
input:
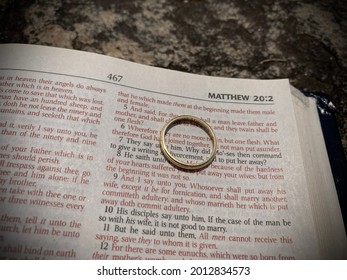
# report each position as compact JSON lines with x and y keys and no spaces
{"x":305,"y":41}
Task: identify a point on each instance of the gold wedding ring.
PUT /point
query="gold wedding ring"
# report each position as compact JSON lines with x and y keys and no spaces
{"x":175,"y":161}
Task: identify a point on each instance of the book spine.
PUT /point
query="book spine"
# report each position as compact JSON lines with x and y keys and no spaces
{"x":326,"y":111}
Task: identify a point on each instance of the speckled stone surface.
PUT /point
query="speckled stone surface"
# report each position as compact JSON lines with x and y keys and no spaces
{"x":305,"y":41}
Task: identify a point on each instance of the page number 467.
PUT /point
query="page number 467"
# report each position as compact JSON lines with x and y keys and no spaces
{"x":115,"y":77}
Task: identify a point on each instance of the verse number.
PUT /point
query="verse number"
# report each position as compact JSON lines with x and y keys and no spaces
{"x":115,"y":77}
{"x":104,"y":245}
{"x":109,"y":209}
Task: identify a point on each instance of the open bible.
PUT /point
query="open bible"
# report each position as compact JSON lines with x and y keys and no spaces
{"x":82,"y":175}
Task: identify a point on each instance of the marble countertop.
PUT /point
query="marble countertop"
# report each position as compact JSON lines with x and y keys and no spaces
{"x":304,"y":41}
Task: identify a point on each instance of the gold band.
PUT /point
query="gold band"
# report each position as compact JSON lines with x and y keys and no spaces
{"x":181,"y":164}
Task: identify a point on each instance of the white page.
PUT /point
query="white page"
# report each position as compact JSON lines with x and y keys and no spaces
{"x":250,"y":203}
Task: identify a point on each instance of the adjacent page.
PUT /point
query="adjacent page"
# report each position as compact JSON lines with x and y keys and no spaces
{"x":83,"y":177}
{"x":329,"y":223}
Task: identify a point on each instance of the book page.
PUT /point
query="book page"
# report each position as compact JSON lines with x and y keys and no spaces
{"x":328,"y":219}
{"x":83,"y":176}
